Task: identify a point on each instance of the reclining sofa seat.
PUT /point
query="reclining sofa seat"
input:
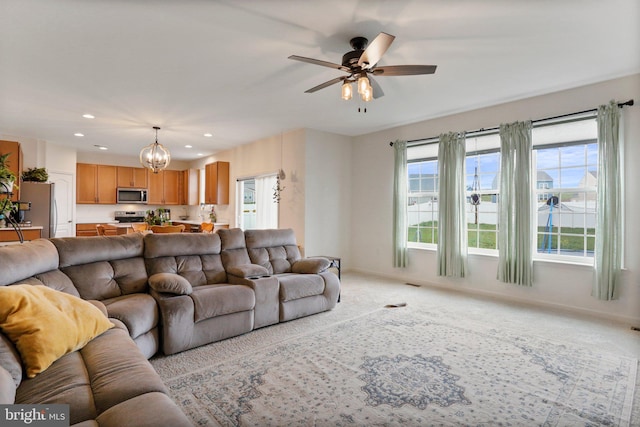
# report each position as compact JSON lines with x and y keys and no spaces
{"x":107,"y":383}
{"x":306,"y":285}
{"x":197,"y":304}
{"x":112,"y":270}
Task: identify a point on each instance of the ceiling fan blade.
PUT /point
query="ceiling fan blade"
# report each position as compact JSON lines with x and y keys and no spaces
{"x":377,"y":90}
{"x":325,"y":84}
{"x":404,"y":70}
{"x":319,"y":62}
{"x":375,"y":50}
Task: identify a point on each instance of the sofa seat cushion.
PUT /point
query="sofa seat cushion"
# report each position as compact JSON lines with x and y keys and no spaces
{"x":66,"y":381}
{"x":296,"y":286}
{"x":139,"y":312}
{"x":217,"y":300}
{"x":155,"y":413}
{"x":108,"y":371}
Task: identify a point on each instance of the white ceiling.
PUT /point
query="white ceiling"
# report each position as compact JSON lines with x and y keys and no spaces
{"x":197,"y":66}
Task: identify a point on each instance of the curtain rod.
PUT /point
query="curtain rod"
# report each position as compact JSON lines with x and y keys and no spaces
{"x":593,"y":110}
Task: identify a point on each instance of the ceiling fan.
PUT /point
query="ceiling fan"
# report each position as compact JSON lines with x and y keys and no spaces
{"x":361,"y":65}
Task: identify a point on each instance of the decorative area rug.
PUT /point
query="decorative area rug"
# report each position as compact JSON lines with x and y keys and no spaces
{"x":399,"y":366}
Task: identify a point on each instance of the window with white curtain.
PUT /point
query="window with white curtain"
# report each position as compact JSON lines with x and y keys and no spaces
{"x":257,"y":208}
{"x":565,"y":172}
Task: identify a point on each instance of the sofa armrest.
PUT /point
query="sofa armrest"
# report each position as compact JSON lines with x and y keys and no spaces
{"x":170,"y":283}
{"x":267,"y":292}
{"x":310,"y":265}
{"x":248,"y":271}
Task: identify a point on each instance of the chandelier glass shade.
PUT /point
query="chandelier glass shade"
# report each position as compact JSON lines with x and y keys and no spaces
{"x":155,"y":156}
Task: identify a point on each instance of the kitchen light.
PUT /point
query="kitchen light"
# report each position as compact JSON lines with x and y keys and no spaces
{"x":155,"y":156}
{"x":188,"y":146}
{"x":88,"y":116}
{"x":78,"y":134}
{"x":208,"y":135}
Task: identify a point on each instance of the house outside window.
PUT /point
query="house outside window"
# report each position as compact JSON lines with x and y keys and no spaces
{"x":565,"y":168}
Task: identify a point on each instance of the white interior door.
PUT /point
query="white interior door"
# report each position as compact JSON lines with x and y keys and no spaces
{"x":64,"y":225}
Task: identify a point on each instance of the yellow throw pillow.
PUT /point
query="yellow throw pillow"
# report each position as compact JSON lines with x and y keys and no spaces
{"x":45,"y":324}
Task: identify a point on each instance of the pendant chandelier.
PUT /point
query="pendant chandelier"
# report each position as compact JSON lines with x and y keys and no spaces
{"x":155,"y":156}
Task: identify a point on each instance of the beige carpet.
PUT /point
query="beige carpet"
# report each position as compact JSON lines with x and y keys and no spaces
{"x":444,"y":359}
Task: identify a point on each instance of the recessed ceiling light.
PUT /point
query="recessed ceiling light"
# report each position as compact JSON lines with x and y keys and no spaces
{"x":78,"y":134}
{"x":101,"y":147}
{"x":200,"y":154}
{"x":88,"y":116}
{"x":188,"y":146}
{"x":208,"y":135}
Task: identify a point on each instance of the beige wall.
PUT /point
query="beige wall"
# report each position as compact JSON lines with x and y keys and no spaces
{"x":267,"y":156}
{"x":555,"y":284}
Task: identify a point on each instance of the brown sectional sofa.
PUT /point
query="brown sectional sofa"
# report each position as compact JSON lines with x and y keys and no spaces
{"x":168,"y":292}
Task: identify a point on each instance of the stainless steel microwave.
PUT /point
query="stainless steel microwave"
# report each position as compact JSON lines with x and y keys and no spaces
{"x":132,"y":195}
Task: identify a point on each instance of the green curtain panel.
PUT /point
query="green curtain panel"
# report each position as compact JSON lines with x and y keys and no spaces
{"x":400,"y":231}
{"x":515,"y":227}
{"x":608,"y":248}
{"x":452,"y":221}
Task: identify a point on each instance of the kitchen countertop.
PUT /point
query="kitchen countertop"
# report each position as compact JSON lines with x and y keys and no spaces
{"x":35,"y":227}
{"x":196,"y":222}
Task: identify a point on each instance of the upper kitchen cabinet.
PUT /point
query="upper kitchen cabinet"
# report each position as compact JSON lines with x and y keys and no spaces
{"x":15,"y":163}
{"x":129,"y":177}
{"x":164,"y":187}
{"x":216,"y":188}
{"x":190,"y":187}
{"x":96,"y":184}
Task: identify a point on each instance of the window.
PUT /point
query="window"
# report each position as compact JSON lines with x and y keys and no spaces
{"x":482,"y":169}
{"x":256,"y":207}
{"x":565,"y":158}
{"x":567,"y":205}
{"x":423,"y":201}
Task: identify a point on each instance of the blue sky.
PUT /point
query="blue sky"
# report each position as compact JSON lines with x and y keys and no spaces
{"x":566,"y":165}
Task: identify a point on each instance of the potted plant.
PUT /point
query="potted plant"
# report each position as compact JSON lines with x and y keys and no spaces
{"x":151,"y":218}
{"x":6,"y":207}
{"x":7,"y":177}
{"x":35,"y":175}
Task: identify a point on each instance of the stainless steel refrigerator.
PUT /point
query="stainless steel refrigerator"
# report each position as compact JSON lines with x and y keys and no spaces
{"x":43,"y":206}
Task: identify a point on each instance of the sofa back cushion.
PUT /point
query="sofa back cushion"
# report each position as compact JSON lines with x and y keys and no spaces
{"x":234,"y":249}
{"x":194,"y":256}
{"x":274,"y":249}
{"x":103,"y":267}
{"x":18,"y":262}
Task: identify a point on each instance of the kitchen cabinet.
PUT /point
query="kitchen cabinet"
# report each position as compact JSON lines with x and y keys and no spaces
{"x":129,"y":177}
{"x":8,"y":234}
{"x":15,"y":163}
{"x":216,"y":185}
{"x":164,"y":187}
{"x":86,"y":230}
{"x":96,"y":184}
{"x":189,"y":187}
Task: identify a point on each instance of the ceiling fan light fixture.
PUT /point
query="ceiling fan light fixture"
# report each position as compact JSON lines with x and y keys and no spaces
{"x":363,"y":83}
{"x":347,"y":90}
{"x":367,"y":95}
{"x":155,"y":156}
